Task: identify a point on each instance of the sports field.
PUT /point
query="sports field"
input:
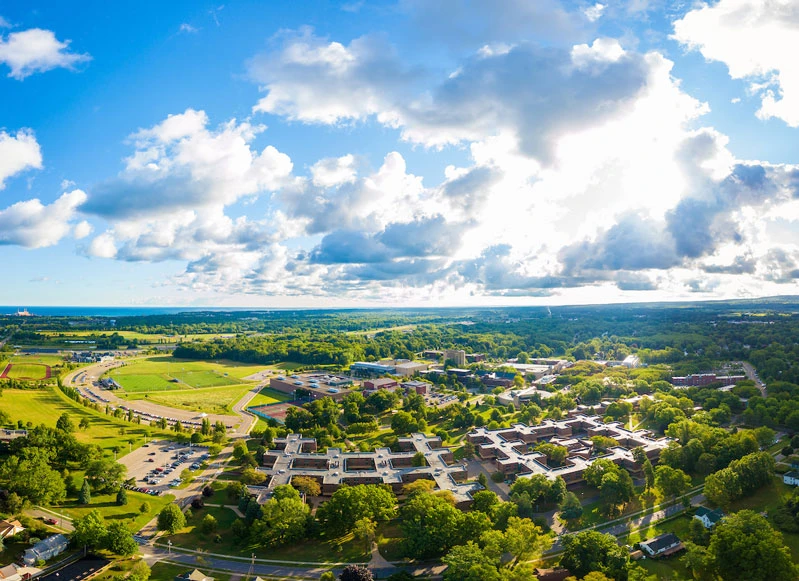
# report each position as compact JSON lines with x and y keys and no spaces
{"x":50,"y":360}
{"x":269,"y":396}
{"x":213,"y":400}
{"x":26,"y":371}
{"x":168,"y":374}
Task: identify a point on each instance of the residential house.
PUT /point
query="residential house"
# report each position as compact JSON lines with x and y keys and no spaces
{"x":9,"y":528}
{"x":662,"y":545}
{"x":708,"y":517}
{"x":791,"y":478}
{"x":195,"y":575}
{"x":45,"y":549}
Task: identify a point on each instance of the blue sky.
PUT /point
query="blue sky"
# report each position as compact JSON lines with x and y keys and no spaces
{"x":403,"y":153}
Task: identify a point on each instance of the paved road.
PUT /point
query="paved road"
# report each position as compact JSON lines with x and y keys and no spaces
{"x":752,"y":374}
{"x":64,"y":522}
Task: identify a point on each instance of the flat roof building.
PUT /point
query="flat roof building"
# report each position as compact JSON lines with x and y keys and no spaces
{"x":296,"y":456}
{"x":315,"y":385}
{"x":512,"y":449}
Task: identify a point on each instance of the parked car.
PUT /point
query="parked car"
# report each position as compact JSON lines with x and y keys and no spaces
{"x":50,"y":521}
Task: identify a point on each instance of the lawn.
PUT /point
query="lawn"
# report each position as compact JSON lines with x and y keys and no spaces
{"x":39,"y":359}
{"x":345,"y":550}
{"x":268,"y":396}
{"x":129,"y":513}
{"x":44,"y":406}
{"x":170,"y":366}
{"x":218,"y":400}
{"x":137,"y":383}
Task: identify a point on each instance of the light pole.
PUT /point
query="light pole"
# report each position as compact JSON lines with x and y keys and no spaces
{"x":169,"y":547}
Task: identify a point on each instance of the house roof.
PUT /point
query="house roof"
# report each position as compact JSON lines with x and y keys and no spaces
{"x":661,"y":542}
{"x":10,"y":527}
{"x":792,"y":474}
{"x":195,"y":575}
{"x":557,"y":574}
{"x":713,"y":516}
{"x":8,"y":571}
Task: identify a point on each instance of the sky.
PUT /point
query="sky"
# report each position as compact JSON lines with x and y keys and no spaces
{"x":398,"y":153}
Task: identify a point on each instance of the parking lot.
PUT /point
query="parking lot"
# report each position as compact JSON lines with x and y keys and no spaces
{"x":157,"y":466}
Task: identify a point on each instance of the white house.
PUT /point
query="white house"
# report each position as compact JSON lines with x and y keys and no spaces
{"x":662,"y":546}
{"x":791,"y":478}
{"x":708,"y":517}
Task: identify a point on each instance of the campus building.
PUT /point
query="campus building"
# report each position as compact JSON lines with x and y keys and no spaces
{"x":297,"y":456}
{"x":512,"y":449}
{"x":313,"y":385}
{"x":455,"y":356}
{"x":703,"y":379}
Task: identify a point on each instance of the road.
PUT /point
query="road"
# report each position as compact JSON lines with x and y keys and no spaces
{"x":64,"y":522}
{"x":752,"y":374}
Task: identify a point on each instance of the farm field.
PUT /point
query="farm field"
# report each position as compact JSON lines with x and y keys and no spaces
{"x":218,"y":400}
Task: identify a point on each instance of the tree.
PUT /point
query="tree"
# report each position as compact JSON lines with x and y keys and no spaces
{"x":31,"y":477}
{"x":65,"y":424}
{"x":616,"y":489}
{"x":418,"y":459}
{"x":144,"y":507}
{"x":764,"y":436}
{"x":351,"y":503}
{"x":671,"y":482}
{"x":470,"y":563}
{"x":122,"y":497}
{"x":722,"y":487}
{"x":89,"y":530}
{"x":593,"y":551}
{"x":571,"y":507}
{"x":746,"y":548}
{"x":208,"y":524}
{"x":524,"y":540}
{"x":431,"y":525}
{"x":403,"y":423}
{"x":306,"y":485}
{"x":139,"y":572}
{"x":252,"y":476}
{"x":364,"y":531}
{"x":284,"y":518}
{"x":119,"y":539}
{"x":593,"y":474}
{"x":84,"y":424}
{"x":85,"y":496}
{"x":105,"y":474}
{"x":327,"y":576}
{"x":555,"y":454}
{"x":171,"y":519}
{"x":355,"y":573}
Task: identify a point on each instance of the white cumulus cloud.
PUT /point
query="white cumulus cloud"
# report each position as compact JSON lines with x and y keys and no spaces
{"x":35,"y":51}
{"x":757,"y":40}
{"x":18,"y":152}
{"x":35,"y":225}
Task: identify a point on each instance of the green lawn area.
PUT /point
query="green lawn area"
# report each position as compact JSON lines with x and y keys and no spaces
{"x":217,"y":400}
{"x":30,"y":371}
{"x":165,"y":364}
{"x":40,"y":359}
{"x":268,"y":396}
{"x":346,"y":549}
{"x":140,"y":383}
{"x":128,"y":513}
{"x":44,"y":406}
{"x":209,"y":378}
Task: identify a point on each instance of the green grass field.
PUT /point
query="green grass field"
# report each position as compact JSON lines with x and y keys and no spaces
{"x":135,"y":383}
{"x":218,"y":400}
{"x":44,"y":406}
{"x":29,"y":371}
{"x":129,"y":513}
{"x":39,"y":359}
{"x":268,"y":396}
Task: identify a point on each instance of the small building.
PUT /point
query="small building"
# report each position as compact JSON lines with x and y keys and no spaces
{"x":9,"y":528}
{"x":420,"y":387}
{"x":475,"y":357}
{"x":791,"y":478}
{"x":10,"y":573}
{"x":45,"y":549}
{"x":708,"y":517}
{"x":662,"y":545}
{"x":556,"y":574}
{"x":379,"y":383}
{"x":195,"y":575}
{"x":408,"y":368}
